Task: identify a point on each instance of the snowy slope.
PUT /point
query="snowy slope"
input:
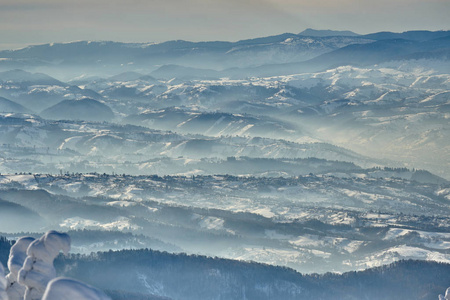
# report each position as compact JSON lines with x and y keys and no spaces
{"x":313,"y":224}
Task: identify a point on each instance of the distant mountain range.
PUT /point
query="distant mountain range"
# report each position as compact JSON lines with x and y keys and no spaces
{"x":315,"y":32}
{"x":310,"y":50}
{"x":281,"y":48}
{"x":401,"y":106}
{"x":366,"y":54}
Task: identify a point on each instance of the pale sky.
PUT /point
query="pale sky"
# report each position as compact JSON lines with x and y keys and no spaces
{"x":24,"y":22}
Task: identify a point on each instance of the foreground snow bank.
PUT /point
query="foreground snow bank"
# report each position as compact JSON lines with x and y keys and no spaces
{"x":38,"y":269}
{"x":32,"y":274}
{"x":17,"y":256}
{"x":70,"y":289}
{"x":3,"y":295}
{"x":447,"y":295}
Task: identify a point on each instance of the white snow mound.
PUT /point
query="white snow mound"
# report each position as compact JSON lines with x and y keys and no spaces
{"x":447,"y":295}
{"x":38,"y":270}
{"x":3,"y":295}
{"x":68,"y":289}
{"x":17,"y":256}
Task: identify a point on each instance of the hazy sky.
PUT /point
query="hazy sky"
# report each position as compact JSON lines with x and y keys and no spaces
{"x":24,"y":22}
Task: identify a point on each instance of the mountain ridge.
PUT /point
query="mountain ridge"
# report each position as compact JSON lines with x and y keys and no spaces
{"x":327,"y":32}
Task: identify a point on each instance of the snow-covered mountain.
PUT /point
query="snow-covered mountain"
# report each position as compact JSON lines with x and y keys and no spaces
{"x":82,"y":109}
{"x":87,"y":146}
{"x":400,"y":107}
{"x":102,"y":57}
{"x":320,"y":151}
{"x":312,"y":223}
{"x":11,"y":106}
{"x":37,"y":91}
{"x":213,"y":123}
